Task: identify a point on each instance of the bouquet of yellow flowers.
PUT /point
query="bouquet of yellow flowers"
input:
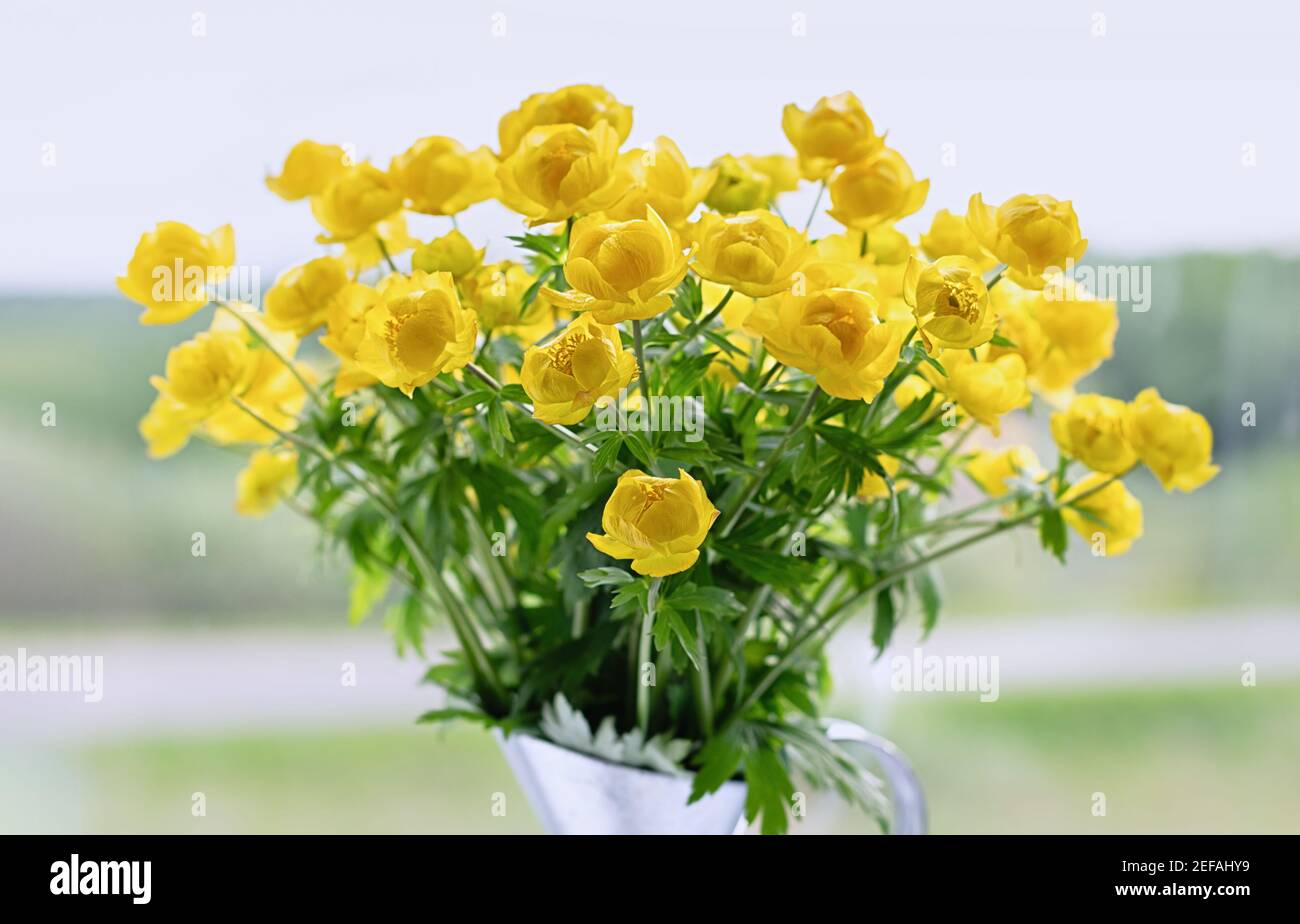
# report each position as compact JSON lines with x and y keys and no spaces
{"x":647,"y":467}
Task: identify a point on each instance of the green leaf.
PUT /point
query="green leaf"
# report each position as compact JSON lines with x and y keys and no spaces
{"x":369,"y":587}
{"x":719,"y":760}
{"x":927,"y":590}
{"x":770,"y":789}
{"x":499,"y":428}
{"x":607,"y":455}
{"x":882,"y":627}
{"x":514,"y":392}
{"x":640,"y":448}
{"x":1052,"y":534}
{"x":1000,"y":341}
{"x":605,"y":577}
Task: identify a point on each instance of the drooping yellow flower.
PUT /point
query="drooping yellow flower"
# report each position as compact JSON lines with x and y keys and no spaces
{"x":354,"y":202}
{"x":1030,"y":234}
{"x":663,"y":180}
{"x":299,"y":301}
{"x":268,"y":479}
{"x":566,"y":377}
{"x":166,"y":427}
{"x":203,"y":373}
{"x":748,"y":182}
{"x":985,"y":389}
{"x":308,"y":169}
{"x":496,"y":293}
{"x":1091,"y":430}
{"x":837,"y":130}
{"x":582,"y":105}
{"x":172,"y":267}
{"x":621,"y":270}
{"x":1114,"y":516}
{"x":345,"y":330}
{"x":439,"y":176}
{"x":755,"y":252}
{"x":363,"y":252}
{"x":993,"y":470}
{"x":950,"y":236}
{"x":876,"y":190}
{"x":452,"y":253}
{"x":559,"y":171}
{"x":1173,"y":441}
{"x":834,"y":335}
{"x":658,"y":523}
{"x":414,"y":336}
{"x":873,"y":486}
{"x":950,"y":302}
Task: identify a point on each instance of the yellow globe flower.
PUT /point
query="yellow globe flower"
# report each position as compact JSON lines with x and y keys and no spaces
{"x":439,"y":176}
{"x":621,"y":270}
{"x":172,"y":267}
{"x":748,"y":182}
{"x":414,"y":336}
{"x":299,"y":301}
{"x":876,"y":190}
{"x":273,"y":391}
{"x":951,"y":236}
{"x":559,"y":171}
{"x":204,"y":372}
{"x":363,"y":253}
{"x":1173,"y":441}
{"x":583,"y":105}
{"x":1080,"y":326}
{"x":658,"y":523}
{"x":950,"y":302}
{"x":985,"y":389}
{"x":1092,"y":430}
{"x":663,"y":180}
{"x":993,"y":470}
{"x":1113,"y":520}
{"x":354,"y":202}
{"x":566,"y":377}
{"x":496,"y":293}
{"x":755,"y":252}
{"x":269,"y":478}
{"x":1030,"y":234}
{"x":837,"y":130}
{"x":308,"y":169}
{"x":345,"y":330}
{"x":166,"y":427}
{"x":452,"y":253}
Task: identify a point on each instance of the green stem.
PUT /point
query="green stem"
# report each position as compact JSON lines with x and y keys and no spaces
{"x":694,"y":328}
{"x":643,"y":656}
{"x":758,"y":389}
{"x":383,"y":249}
{"x":816,"y":202}
{"x":638,"y":342}
{"x":307,"y":386}
{"x":996,"y":277}
{"x":703,"y":696}
{"x":561,"y":431}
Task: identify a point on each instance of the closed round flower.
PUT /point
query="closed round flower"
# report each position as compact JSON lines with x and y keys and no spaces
{"x":986,"y":389}
{"x":950,"y":302}
{"x":950,"y":236}
{"x":658,"y":523}
{"x":452,"y":253}
{"x":439,"y":176}
{"x":354,"y":202}
{"x":1030,"y":234}
{"x":1079,"y":325}
{"x":663,"y":180}
{"x":584,"y":363}
{"x":204,"y":372}
{"x":309,"y":168}
{"x":993,"y":470}
{"x":268,"y":478}
{"x":837,"y":130}
{"x":755,"y":252}
{"x":875,"y":191}
{"x":412,"y":337}
{"x":300,"y":299}
{"x":622,"y":270}
{"x":559,"y":171}
{"x":496,"y":293}
{"x":748,"y":182}
{"x":1173,"y":441}
{"x":583,"y":105}
{"x":172,"y":267}
{"x":1110,"y":518}
{"x":1091,"y":430}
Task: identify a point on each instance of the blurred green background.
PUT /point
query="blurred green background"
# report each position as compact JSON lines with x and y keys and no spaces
{"x":223,"y":673}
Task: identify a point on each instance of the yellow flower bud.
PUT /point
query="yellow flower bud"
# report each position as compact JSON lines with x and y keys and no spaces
{"x":452,"y":253}
{"x":1030,"y":234}
{"x":876,"y":190}
{"x":658,"y":523}
{"x":172,"y":267}
{"x":950,"y":303}
{"x":744,"y":183}
{"x":354,"y":202}
{"x":755,"y":252}
{"x":1114,"y":516}
{"x":300,"y":299}
{"x":951,"y":236}
{"x":205,"y":371}
{"x":582,"y":105}
{"x":566,"y":377}
{"x":835,"y":131}
{"x":559,"y":171}
{"x":1173,"y":441}
{"x":268,"y":478}
{"x":664,"y":181}
{"x":308,"y":169}
{"x":1091,"y":430}
{"x":438,"y":176}
{"x":496,"y":293}
{"x":993,"y":470}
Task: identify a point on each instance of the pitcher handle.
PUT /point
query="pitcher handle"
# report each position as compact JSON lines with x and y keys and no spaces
{"x":908,"y":800}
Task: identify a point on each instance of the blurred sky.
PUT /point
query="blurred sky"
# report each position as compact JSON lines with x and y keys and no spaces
{"x":1143,"y":127}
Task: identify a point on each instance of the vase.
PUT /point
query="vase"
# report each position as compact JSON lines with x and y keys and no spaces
{"x":575,"y":793}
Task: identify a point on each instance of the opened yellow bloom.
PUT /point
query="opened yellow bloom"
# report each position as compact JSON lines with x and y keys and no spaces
{"x":876,"y":190}
{"x":663,"y":180}
{"x":299,"y":301}
{"x":309,"y":168}
{"x":748,"y":182}
{"x":984,"y":388}
{"x":950,"y":236}
{"x":1113,"y":520}
{"x":269,"y":478}
{"x":439,"y":176}
{"x":412,"y":337}
{"x":452,"y":253}
{"x":345,"y":330}
{"x":172,"y":268}
{"x":559,"y":171}
{"x":1173,"y":441}
{"x":837,"y":130}
{"x":1030,"y":234}
{"x":273,"y":392}
{"x":658,"y":523}
{"x":1079,"y":325}
{"x":755,"y":252}
{"x":354,"y":202}
{"x":566,"y":377}
{"x":950,"y":302}
{"x":204,"y":372}
{"x":993,"y":470}
{"x":1082,"y":336}
{"x":622,"y":270}
{"x":1092,"y":430}
{"x":583,"y":105}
